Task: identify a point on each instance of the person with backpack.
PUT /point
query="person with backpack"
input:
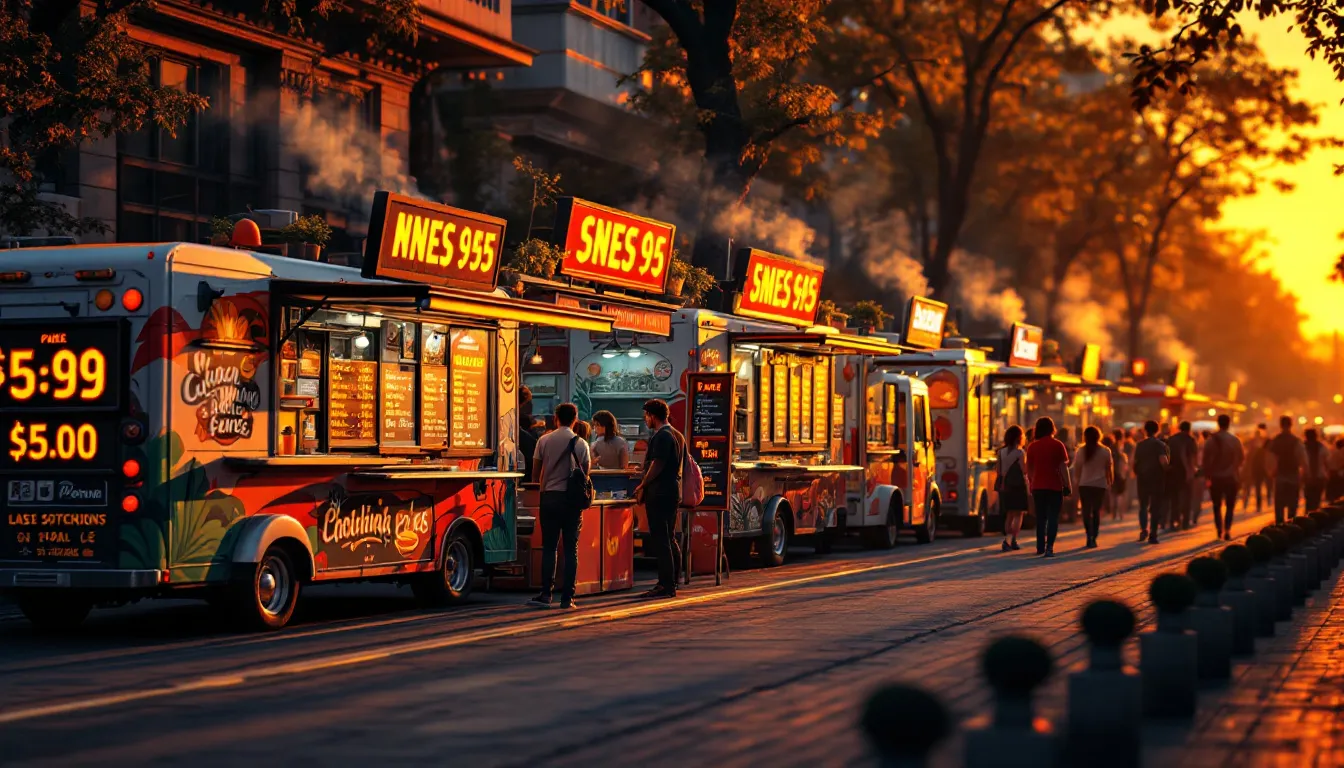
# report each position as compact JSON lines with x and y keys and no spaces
{"x":660,"y":492}
{"x":1315,"y":472}
{"x":561,"y":467}
{"x":1223,"y":457}
{"x":1093,"y":475}
{"x":1151,"y":457}
{"x":1286,"y":456}
{"x":1011,"y":484}
{"x":1181,"y":475}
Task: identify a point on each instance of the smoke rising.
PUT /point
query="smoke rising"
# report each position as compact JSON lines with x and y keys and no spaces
{"x":980,"y":289}
{"x":1082,"y":319}
{"x":346,"y":162}
{"x":762,"y":223}
{"x":883,"y":249}
{"x":1162,"y":338}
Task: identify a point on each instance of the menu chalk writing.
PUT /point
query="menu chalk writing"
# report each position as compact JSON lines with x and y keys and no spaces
{"x":353,"y":402}
{"x":470,"y":386}
{"x":709,"y":431}
{"x":399,"y":404}
{"x":433,"y":405}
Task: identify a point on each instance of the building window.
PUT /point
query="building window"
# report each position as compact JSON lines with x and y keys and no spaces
{"x":171,"y":183}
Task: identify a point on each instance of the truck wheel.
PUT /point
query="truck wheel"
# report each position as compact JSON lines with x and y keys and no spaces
{"x":56,"y":613}
{"x":451,"y":581}
{"x":264,"y":598}
{"x":774,"y":542}
{"x":974,"y":528}
{"x":884,"y":536}
{"x":927,"y":532}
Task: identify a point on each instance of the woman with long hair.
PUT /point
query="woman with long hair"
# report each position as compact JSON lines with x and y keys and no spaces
{"x":1049,"y":478}
{"x":1094,"y":474}
{"x":610,"y":449}
{"x":1011,"y":483}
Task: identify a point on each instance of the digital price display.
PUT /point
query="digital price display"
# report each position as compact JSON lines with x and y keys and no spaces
{"x":74,"y":365}
{"x":59,"y":440}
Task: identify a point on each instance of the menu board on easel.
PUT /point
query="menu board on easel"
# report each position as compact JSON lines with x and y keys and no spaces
{"x":352,"y":402}
{"x":709,"y":431}
{"x":398,"y":405}
{"x":470,"y":386}
{"x":433,"y":406}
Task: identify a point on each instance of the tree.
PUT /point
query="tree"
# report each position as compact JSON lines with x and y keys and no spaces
{"x":733,"y":69}
{"x":70,"y":72}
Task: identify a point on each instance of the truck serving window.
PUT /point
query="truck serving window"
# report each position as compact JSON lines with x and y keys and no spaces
{"x":879,"y":430}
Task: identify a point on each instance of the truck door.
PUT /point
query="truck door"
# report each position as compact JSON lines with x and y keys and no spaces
{"x":920,"y":451}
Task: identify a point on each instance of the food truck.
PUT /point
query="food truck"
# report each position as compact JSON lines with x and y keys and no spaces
{"x":779,"y":473}
{"x":190,"y":421}
{"x":888,"y":432}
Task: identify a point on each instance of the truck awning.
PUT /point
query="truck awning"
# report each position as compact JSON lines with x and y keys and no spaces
{"x":841,"y":343}
{"x":376,"y":294}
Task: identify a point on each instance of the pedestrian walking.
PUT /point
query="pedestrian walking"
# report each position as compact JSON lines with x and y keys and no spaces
{"x":1093,"y":475}
{"x":1223,"y":457}
{"x":1285,"y":458}
{"x":1151,"y":458}
{"x":1180,"y":474}
{"x":1316,"y":471}
{"x":559,"y":454}
{"x":1335,"y":488}
{"x":660,"y":492}
{"x":1011,"y":484}
{"x":1048,"y":463}
{"x":1256,"y":475}
{"x":610,"y":449}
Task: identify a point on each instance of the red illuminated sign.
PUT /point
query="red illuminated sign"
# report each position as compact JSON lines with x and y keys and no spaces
{"x":423,"y":242}
{"x":639,"y":320}
{"x":776,"y":288}
{"x":1024,"y":346}
{"x":924,"y":323}
{"x":613,"y":247}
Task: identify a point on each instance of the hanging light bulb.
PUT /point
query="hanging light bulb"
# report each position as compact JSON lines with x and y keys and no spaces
{"x":634,"y":350}
{"x":361,"y":342}
{"x":612,"y":349}
{"x":536,"y":358}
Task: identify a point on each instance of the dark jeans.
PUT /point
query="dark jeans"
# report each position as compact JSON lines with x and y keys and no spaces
{"x":1092,"y":500}
{"x":662,"y":520}
{"x":1260,"y":484}
{"x":558,"y":519}
{"x":1178,"y":495}
{"x":1048,"y":504}
{"x":1151,"y":499}
{"x":1285,"y":500}
{"x":1312,"y":490}
{"x":1223,"y":493}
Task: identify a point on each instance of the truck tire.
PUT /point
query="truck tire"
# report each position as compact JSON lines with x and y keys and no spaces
{"x":927,"y":532}
{"x":884,"y":536}
{"x":974,"y":528}
{"x":264,"y":596}
{"x":773,"y":545}
{"x":55,"y":613}
{"x":451,"y":581}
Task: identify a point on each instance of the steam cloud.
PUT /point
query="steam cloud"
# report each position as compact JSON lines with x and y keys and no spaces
{"x":764,"y":224}
{"x":1167,"y":347}
{"x":885,"y":256}
{"x":347,"y":162}
{"x":1082,"y":319}
{"x":979,"y":287}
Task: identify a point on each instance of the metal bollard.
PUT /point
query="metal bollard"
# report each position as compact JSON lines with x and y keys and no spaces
{"x":903,"y":724}
{"x":1242,"y":601}
{"x":1168,"y":655}
{"x":1211,"y":621}
{"x":1308,"y":548}
{"x":1014,"y":667}
{"x":1106,"y":699}
{"x":1260,"y":582}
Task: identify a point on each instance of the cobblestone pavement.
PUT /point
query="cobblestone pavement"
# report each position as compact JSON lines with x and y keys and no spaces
{"x":772,"y":668}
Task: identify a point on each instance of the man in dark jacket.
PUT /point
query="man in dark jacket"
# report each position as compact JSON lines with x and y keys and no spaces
{"x":1151,"y":458}
{"x":1180,"y":474}
{"x":1286,"y":459}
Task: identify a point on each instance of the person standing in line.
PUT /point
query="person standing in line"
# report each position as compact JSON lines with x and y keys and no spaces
{"x":1014,"y":491}
{"x":1315,"y":472}
{"x":1119,"y":471}
{"x":1049,"y":464}
{"x":1256,"y":476}
{"x":1127,"y":444}
{"x":1285,"y":458}
{"x":1093,"y":475}
{"x":1223,"y":457}
{"x":1335,"y":488}
{"x":1151,"y":457}
{"x":559,"y":453}
{"x":660,"y":493}
{"x":1180,"y":475}
{"x":610,"y":449}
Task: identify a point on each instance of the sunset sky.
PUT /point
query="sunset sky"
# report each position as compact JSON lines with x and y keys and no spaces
{"x":1302,"y":225}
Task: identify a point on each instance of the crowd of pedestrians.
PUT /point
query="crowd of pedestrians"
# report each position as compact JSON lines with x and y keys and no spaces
{"x":1166,"y":472}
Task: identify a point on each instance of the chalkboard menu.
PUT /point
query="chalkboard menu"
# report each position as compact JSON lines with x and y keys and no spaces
{"x":780,"y":406}
{"x":352,"y":402}
{"x":398,"y":404}
{"x":433,"y":405}
{"x":470,"y":400}
{"x":709,"y":434}
{"x":821,"y":386}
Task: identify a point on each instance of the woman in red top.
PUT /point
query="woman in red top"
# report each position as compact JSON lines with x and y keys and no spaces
{"x":1048,"y":464}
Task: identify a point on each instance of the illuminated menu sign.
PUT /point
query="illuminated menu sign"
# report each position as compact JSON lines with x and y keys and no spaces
{"x":423,"y":242}
{"x":398,"y":405}
{"x":469,"y":398}
{"x":647,"y":321}
{"x":924,"y":322}
{"x":779,"y":408}
{"x":821,"y":386}
{"x":433,"y":405}
{"x":1089,"y":362}
{"x":352,"y":402}
{"x":1024,"y":346}
{"x":709,"y":432}
{"x":775,"y":288}
{"x":60,"y":408}
{"x":613,"y":247}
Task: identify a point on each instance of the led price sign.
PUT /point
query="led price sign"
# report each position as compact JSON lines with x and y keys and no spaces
{"x":56,"y":365}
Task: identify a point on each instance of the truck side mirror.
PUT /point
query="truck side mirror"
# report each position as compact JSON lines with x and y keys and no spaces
{"x":937,"y":444}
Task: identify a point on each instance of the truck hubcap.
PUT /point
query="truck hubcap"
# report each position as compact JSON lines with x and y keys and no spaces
{"x":273,"y":585}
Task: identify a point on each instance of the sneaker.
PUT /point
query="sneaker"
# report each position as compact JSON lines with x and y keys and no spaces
{"x":1049,"y":553}
{"x":1006,"y":547}
{"x":1152,"y":539}
{"x":1014,"y":545}
{"x":1143,"y":536}
{"x":658,"y":593}
{"x":540,"y":601}
{"x":568,"y":605}
{"x":1227,"y":536}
